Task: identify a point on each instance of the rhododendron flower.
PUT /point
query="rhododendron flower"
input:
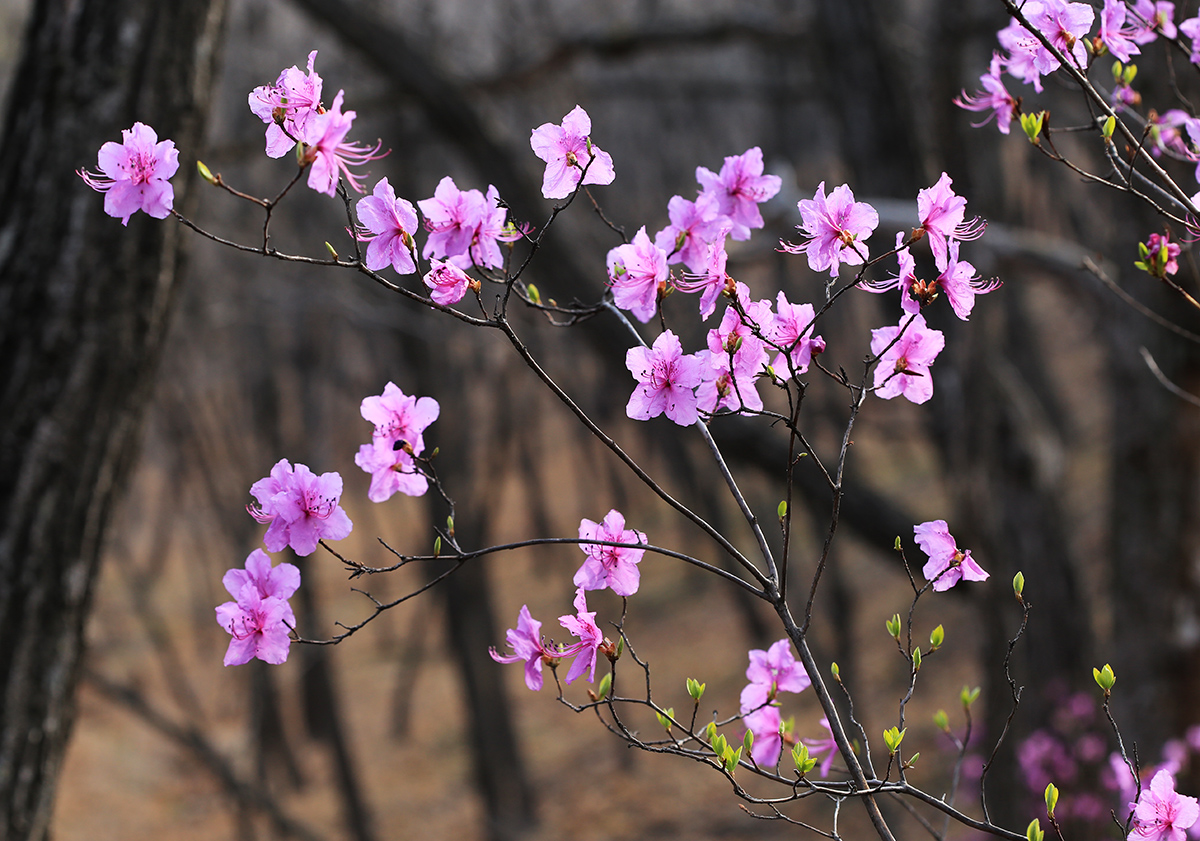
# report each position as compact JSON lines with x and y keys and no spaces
{"x":259,"y":627}
{"x":287,"y":106}
{"x":792,"y":330}
{"x":739,"y":189}
{"x":765,"y":723}
{"x":1161,"y":814}
{"x":960,"y":283}
{"x":582,"y":625}
{"x":1153,"y":18}
{"x":301,"y":507}
{"x":825,"y":745}
{"x":448,"y":282}
{"x":1065,"y":25}
{"x":941,"y":212}
{"x":1159,"y":255}
{"x":946,"y":565}
{"x":837,"y":227}
{"x":465,"y":226}
{"x":567,"y":151}
{"x":667,"y":381}
{"x":526,"y":642}
{"x":270,"y":581}
{"x":1115,"y":34}
{"x":135,"y":174}
{"x":399,"y":420}
{"x":712,"y":278}
{"x":388,"y":224}
{"x":994,"y":97}
{"x":694,"y":225}
{"x":328,"y":155}
{"x":1191,"y":29}
{"x":636,"y":270}
{"x":903,"y":368}
{"x":735,"y":357}
{"x":610,"y":566}
{"x":777,"y":669}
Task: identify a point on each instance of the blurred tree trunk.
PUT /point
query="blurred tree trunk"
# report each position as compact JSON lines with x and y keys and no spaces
{"x":83,"y":309}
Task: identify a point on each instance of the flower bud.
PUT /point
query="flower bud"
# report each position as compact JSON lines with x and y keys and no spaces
{"x":1051,"y":798}
{"x":1105,"y":678}
{"x":205,"y":173}
{"x":941,"y":721}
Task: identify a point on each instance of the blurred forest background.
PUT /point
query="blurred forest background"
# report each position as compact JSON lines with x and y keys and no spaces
{"x":1048,"y":446}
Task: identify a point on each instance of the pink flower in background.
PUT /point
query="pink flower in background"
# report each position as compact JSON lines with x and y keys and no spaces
{"x":1114,"y":32}
{"x":610,"y":566}
{"x":388,"y":224}
{"x":667,"y":381}
{"x":941,"y":213}
{"x":1161,"y":814}
{"x":837,"y":228}
{"x":825,"y":745}
{"x":582,"y":625}
{"x":448,"y":282}
{"x":735,"y":357}
{"x":765,"y":723}
{"x":1065,"y":25}
{"x":135,"y":174}
{"x":1027,"y":59}
{"x":301,"y":507}
{"x":635,"y":272}
{"x":1191,"y":29}
{"x":1152,"y":19}
{"x":777,"y":668}
{"x":739,"y":189}
{"x":400,"y":421}
{"x":491,"y":231}
{"x":259,"y":627}
{"x":327,"y":153}
{"x":287,"y":106}
{"x":994,"y":97}
{"x":947,"y":565}
{"x":526,"y":642}
{"x":792,"y":329}
{"x":694,"y":225}
{"x":712,"y":277}
{"x":904,"y":366}
{"x":567,"y":151}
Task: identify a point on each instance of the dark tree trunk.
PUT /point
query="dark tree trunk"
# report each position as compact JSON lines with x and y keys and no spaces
{"x":83,"y":310}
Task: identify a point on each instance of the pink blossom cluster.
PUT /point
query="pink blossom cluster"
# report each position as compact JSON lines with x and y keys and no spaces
{"x":400,"y":421}
{"x":300,"y":507}
{"x":259,"y":619}
{"x":769,"y":673}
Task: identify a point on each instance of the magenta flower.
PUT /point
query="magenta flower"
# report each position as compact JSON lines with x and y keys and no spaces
{"x":259,"y":627}
{"x":287,"y":106}
{"x":1114,"y":34}
{"x":904,"y":365}
{"x":448,"y":282}
{"x":1161,"y":814}
{"x":279,"y":582}
{"x":1153,"y":18}
{"x":792,"y":330}
{"x":712,"y":278}
{"x":960,"y":283}
{"x":388,"y":224}
{"x":582,"y":625}
{"x":1191,"y":28}
{"x":328,"y":155}
{"x":694,"y":226}
{"x":739,"y":189}
{"x":526,"y":642}
{"x":636,"y":271}
{"x":1159,"y":255}
{"x":399,"y":421}
{"x":777,"y":669}
{"x":610,"y":566}
{"x":837,"y":228}
{"x":825,"y":745}
{"x":941,"y":213}
{"x":135,"y":174}
{"x":301,"y":507}
{"x":765,"y":723}
{"x":994,"y":97}
{"x":1066,"y":26}
{"x":464,"y":226}
{"x":667,"y":381}
{"x":567,"y":151}
{"x":946,"y":565}
{"x":1027,"y":59}
{"x":735,"y":357}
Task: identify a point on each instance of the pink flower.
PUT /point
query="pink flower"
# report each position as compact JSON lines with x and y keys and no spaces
{"x":825,"y":745}
{"x":739,"y":189}
{"x":1191,"y":28}
{"x":712,"y":277}
{"x":837,"y":228}
{"x":610,"y":566}
{"x":693,"y":227}
{"x":301,"y":507}
{"x":526,"y":642}
{"x":448,"y":282}
{"x":279,"y":581}
{"x":1027,"y":59}
{"x":667,"y":381}
{"x":389,"y":224}
{"x":259,"y":627}
{"x":770,"y":672}
{"x":777,"y":669}
{"x":941,"y":213}
{"x":960,"y":283}
{"x":135,"y":174}
{"x":1115,"y":35}
{"x":904,"y":366}
{"x":464,"y":226}
{"x":1065,"y":25}
{"x":287,"y":106}
{"x":1161,"y":814}
{"x":735,"y":357}
{"x":327,"y":153}
{"x":567,"y":151}
{"x":636,"y":270}
{"x":582,"y":625}
{"x":765,"y":723}
{"x":994,"y":97}
{"x":399,"y":421}
{"x":792,"y":330}
{"x":947,"y":565}
{"x":1153,"y":18}
{"x":1159,"y":255}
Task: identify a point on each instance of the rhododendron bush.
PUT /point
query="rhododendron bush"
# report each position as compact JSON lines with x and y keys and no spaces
{"x":702,"y":345}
